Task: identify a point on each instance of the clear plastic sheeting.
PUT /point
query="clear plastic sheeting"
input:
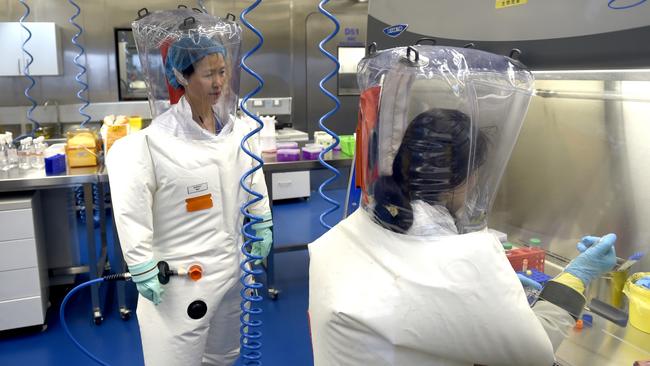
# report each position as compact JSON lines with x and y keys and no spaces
{"x":171,"y":43}
{"x":437,"y":127}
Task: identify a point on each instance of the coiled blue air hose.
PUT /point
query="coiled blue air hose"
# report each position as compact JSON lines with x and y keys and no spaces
{"x":30,"y":60}
{"x":82,"y":71}
{"x":327,"y":115}
{"x":84,"y":100}
{"x":250,"y":330}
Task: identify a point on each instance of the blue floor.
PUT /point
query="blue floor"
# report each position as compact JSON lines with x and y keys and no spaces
{"x":286,"y":334}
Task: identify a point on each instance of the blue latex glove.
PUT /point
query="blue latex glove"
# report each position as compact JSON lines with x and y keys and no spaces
{"x":597,"y":257}
{"x":529,"y":282}
{"x":645,"y":282}
{"x":263,"y":230}
{"x":145,"y":276}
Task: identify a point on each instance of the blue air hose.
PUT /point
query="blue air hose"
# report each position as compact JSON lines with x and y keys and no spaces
{"x":612,"y":4}
{"x":32,"y":82}
{"x":84,"y":88}
{"x":64,"y":324}
{"x":250,"y":330}
{"x":321,"y":124}
{"x":82,"y":71}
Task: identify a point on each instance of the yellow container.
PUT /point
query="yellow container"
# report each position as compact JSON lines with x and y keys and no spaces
{"x":618,"y":282}
{"x":82,"y":148}
{"x":114,"y":133}
{"x":135,"y":122}
{"x":639,"y":298}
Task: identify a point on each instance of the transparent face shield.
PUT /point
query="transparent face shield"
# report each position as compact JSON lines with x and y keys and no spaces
{"x":437,"y":126}
{"x":185,"y":53}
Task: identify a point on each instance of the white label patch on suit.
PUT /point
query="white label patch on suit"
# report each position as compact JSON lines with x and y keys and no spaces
{"x":196,"y":188}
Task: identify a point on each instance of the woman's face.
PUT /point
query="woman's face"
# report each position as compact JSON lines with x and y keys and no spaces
{"x":208,"y":80}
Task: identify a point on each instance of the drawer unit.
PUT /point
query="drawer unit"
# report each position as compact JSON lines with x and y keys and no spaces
{"x":17,"y":254}
{"x":290,"y":185}
{"x":19,"y":283}
{"x":16,"y":224}
{"x":21,"y":313}
{"x":23,"y":268}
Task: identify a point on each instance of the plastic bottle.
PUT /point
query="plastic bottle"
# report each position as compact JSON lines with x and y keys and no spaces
{"x":267,"y":135}
{"x":12,"y":153}
{"x":25,"y":153}
{"x":33,"y":152}
{"x":37,"y":160}
{"x":4,"y":161}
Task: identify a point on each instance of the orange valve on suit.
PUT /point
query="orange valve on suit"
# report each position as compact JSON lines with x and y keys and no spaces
{"x":195,"y":272}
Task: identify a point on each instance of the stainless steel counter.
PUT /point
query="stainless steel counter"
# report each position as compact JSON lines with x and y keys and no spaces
{"x":604,"y":344}
{"x":32,"y":179}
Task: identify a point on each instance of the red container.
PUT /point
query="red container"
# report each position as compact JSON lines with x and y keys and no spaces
{"x":534,"y":257}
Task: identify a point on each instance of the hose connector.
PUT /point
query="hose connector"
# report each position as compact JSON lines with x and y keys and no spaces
{"x":126,"y":276}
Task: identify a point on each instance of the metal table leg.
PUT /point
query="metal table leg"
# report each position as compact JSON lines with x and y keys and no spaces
{"x":92,"y":252}
{"x":270,"y":262}
{"x":104,"y":263}
{"x":125,"y":312}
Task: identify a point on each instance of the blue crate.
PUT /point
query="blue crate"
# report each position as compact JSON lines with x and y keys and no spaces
{"x":537,"y":276}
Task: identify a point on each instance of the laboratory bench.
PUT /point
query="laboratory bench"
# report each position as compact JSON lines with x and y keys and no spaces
{"x":21,"y":180}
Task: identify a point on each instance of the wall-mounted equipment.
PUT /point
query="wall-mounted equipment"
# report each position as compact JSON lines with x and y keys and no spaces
{"x":131,"y":85}
{"x":45,"y":47}
{"x":349,"y":57}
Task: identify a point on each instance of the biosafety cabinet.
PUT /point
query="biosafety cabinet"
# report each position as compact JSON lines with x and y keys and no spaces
{"x":23,"y":268}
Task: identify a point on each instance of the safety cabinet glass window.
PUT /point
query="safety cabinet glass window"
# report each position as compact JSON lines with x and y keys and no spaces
{"x":130,"y":79}
{"x":349,"y":58}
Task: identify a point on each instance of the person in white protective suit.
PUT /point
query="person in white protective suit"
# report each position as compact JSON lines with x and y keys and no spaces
{"x":414,"y":277}
{"x":176,"y":197}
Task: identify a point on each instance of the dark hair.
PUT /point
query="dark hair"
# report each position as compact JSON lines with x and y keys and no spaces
{"x":433,"y":158}
{"x":393,"y":206}
{"x":188,"y":72}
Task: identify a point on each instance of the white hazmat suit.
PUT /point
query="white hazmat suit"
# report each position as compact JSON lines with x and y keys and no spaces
{"x":162,"y":181}
{"x":384,"y":298}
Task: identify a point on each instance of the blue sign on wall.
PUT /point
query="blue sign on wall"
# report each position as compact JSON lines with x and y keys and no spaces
{"x":395,"y":30}
{"x":351,"y":34}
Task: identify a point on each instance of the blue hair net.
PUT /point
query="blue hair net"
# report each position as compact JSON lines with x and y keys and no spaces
{"x":186,"y":52}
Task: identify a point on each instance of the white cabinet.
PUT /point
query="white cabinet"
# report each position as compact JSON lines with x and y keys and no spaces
{"x":45,"y":47}
{"x":10,"y":40}
{"x":290,"y":185}
{"x":23,"y":268}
